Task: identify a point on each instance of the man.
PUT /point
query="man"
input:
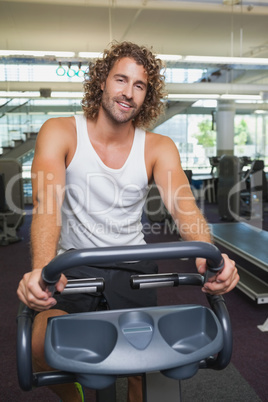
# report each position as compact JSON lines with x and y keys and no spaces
{"x":91,"y":175}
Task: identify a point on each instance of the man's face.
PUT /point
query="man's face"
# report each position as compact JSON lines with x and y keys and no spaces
{"x":124,"y":90}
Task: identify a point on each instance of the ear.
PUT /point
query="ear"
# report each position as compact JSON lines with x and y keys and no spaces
{"x":102,"y":86}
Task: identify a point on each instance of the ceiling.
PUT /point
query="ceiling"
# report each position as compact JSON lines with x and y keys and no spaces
{"x":171,"y":26}
{"x":211,"y":28}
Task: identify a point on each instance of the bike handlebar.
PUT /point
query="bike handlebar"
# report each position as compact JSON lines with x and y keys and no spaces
{"x":189,"y":249}
{"x":51,"y":274}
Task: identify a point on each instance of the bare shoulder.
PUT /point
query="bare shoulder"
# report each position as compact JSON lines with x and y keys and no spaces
{"x":56,"y":135}
{"x":159,"y":145}
{"x":155,"y":140}
{"x":161,"y":153}
{"x":58,"y":126}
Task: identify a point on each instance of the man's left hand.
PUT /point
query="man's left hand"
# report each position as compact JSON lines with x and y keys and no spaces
{"x":222,"y":282}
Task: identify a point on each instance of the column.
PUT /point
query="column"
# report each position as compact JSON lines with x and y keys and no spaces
{"x":225,"y":127}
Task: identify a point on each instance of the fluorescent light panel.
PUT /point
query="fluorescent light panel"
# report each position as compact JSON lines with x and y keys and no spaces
{"x":193,"y":96}
{"x":78,"y":95}
{"x":36,"y":94}
{"x":165,"y":57}
{"x":216,"y":96}
{"x":226,"y":60}
{"x":170,"y":57}
{"x":260,"y":111}
{"x":17,"y":94}
{"x":90,"y":55}
{"x":35,"y":53}
{"x":241,"y":97}
{"x":55,"y":94}
{"x":215,"y":59}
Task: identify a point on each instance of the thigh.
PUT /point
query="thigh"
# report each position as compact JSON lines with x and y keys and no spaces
{"x":38,"y":337}
{"x":40,"y":320}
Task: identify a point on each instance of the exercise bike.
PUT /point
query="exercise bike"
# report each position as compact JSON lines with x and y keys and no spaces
{"x":163,"y":342}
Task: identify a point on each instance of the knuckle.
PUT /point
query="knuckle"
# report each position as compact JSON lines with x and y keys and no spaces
{"x":31,"y":298}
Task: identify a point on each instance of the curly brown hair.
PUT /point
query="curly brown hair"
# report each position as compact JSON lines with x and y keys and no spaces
{"x":98,"y":72}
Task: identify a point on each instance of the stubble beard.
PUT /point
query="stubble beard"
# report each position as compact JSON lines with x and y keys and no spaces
{"x":117,"y":116}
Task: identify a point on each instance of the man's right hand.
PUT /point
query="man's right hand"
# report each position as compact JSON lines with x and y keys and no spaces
{"x":30,"y":292}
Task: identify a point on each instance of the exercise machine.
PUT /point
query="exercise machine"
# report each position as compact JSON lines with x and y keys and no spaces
{"x":11,"y":201}
{"x":241,"y":192}
{"x":97,"y":347}
{"x":229,"y":187}
{"x":254,"y":192}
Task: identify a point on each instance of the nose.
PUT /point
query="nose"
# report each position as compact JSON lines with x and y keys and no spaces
{"x":128,"y":91}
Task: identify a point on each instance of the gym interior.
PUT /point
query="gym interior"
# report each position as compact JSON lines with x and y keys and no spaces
{"x":216,"y":58}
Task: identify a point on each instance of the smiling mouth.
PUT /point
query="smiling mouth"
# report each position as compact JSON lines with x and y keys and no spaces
{"x":124,"y":105}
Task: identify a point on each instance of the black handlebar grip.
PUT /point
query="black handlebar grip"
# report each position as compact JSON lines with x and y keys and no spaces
{"x":212,"y":271}
{"x":161,"y":280}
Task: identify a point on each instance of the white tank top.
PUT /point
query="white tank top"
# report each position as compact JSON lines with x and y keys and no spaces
{"x":103,"y":206}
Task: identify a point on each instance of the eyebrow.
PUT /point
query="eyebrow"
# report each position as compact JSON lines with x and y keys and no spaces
{"x":144,"y":84}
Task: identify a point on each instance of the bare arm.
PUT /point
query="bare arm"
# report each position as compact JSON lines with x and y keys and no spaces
{"x":48,"y":181}
{"x":177,"y":195}
{"x":179,"y":200}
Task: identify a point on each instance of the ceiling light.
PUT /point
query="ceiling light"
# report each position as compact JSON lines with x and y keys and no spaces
{"x":35,"y":53}
{"x":169,"y":57}
{"x":260,"y":111}
{"x":165,"y":57}
{"x":90,"y":55}
{"x":193,"y":96}
{"x":70,"y":95}
{"x":226,"y":60}
{"x":17,"y":94}
{"x":215,"y":97}
{"x":241,"y":97}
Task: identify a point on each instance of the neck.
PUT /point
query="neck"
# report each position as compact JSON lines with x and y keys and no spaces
{"x":106,"y":130}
